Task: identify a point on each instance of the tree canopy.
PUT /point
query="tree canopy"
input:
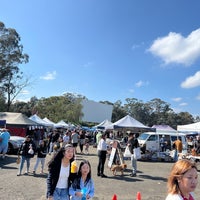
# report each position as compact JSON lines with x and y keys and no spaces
{"x":11,"y":56}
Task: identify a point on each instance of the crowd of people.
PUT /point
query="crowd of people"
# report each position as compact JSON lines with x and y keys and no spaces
{"x":65,"y":184}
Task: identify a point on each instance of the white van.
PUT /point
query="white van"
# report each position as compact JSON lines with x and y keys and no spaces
{"x":150,"y":141}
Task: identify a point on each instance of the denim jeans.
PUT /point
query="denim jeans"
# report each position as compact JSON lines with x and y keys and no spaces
{"x":134,"y":164}
{"x":61,"y":194}
{"x":39,"y":160}
{"x":23,"y":159}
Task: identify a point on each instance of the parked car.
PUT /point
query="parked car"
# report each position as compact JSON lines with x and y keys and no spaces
{"x":14,"y":144}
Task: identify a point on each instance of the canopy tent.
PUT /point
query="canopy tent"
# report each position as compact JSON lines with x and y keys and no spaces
{"x":40,"y":121}
{"x":128,"y":122}
{"x":16,"y":119}
{"x":194,"y":127}
{"x":48,"y":121}
{"x":104,"y":124}
{"x":164,"y":129}
{"x":17,"y":123}
{"x":61,"y":124}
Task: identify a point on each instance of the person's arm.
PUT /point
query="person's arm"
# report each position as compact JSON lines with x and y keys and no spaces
{"x":73,"y":189}
{"x":49,"y":185}
{"x":91,"y":189}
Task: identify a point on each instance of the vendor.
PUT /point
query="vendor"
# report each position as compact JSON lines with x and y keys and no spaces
{"x":163,"y":143}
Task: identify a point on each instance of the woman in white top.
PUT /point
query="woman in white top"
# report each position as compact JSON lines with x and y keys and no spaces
{"x":182,"y":180}
{"x":60,"y":176}
{"x":102,"y":151}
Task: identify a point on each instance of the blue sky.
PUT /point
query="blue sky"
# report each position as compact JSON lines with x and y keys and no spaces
{"x":110,"y":50}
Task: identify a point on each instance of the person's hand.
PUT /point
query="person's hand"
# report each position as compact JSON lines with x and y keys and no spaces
{"x":88,"y":196}
{"x":79,"y":194}
{"x":50,"y":198}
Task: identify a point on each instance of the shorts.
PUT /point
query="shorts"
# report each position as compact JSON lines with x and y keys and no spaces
{"x":74,"y":144}
{"x":3,"y":148}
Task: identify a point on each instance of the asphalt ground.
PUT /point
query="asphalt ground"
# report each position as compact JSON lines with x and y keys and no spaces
{"x":151,"y":180}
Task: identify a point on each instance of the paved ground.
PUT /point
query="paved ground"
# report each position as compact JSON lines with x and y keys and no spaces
{"x":151,"y":181}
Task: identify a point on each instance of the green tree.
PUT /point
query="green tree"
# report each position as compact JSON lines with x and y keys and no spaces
{"x":159,"y":111}
{"x":184,"y":118}
{"x":138,"y":110}
{"x":118,"y":111}
{"x":58,"y":108}
{"x":11,"y":55}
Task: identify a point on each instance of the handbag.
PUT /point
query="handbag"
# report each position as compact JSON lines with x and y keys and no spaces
{"x":18,"y":160}
{"x":30,"y":151}
{"x":137,"y":153}
{"x":127,"y":152}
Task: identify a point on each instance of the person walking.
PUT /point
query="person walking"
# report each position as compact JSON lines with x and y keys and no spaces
{"x":41,"y":155}
{"x":53,"y":139}
{"x":66,"y":138}
{"x":59,"y":174}
{"x":75,"y":139}
{"x":83,"y":186}
{"x":101,"y":151}
{"x":178,"y":147}
{"x":4,"y":139}
{"x":182,"y":180}
{"x":27,"y":151}
{"x":81,"y":140}
{"x":133,"y":143}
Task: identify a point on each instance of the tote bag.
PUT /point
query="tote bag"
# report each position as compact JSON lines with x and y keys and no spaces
{"x":127,"y":152}
{"x":137,"y":153}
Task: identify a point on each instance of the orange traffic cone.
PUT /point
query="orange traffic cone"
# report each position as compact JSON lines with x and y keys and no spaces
{"x":114,"y":197}
{"x":138,"y":196}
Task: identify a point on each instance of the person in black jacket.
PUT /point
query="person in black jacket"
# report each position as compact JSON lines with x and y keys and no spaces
{"x":133,"y":143}
{"x":41,"y":155}
{"x":27,"y":151}
{"x":60,"y":176}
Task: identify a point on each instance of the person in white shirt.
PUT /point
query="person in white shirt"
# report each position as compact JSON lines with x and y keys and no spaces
{"x":102,"y":151}
{"x":60,"y":176}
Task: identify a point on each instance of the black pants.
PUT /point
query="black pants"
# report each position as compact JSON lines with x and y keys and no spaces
{"x":81,"y":147}
{"x":102,"y":160}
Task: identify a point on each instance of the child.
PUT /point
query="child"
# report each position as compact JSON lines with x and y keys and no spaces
{"x":83,"y":185}
{"x":41,"y":155}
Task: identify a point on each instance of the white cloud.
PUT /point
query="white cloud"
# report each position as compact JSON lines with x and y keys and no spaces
{"x":49,"y":76}
{"x":192,"y":81}
{"x":177,"y":99}
{"x":183,"y":104}
{"x":174,"y":48}
{"x":141,"y":83}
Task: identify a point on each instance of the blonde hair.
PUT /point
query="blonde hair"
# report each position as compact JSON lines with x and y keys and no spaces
{"x":177,"y":171}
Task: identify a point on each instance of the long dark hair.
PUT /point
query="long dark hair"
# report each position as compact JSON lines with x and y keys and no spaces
{"x":59,"y":155}
{"x":79,"y":170}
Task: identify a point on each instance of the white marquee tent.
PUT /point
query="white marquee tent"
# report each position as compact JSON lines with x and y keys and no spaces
{"x":194,"y":127}
{"x":104,"y":124}
{"x":16,"y":119}
{"x":61,"y":124}
{"x":40,"y":121}
{"x":48,"y":121}
{"x":128,"y":122}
